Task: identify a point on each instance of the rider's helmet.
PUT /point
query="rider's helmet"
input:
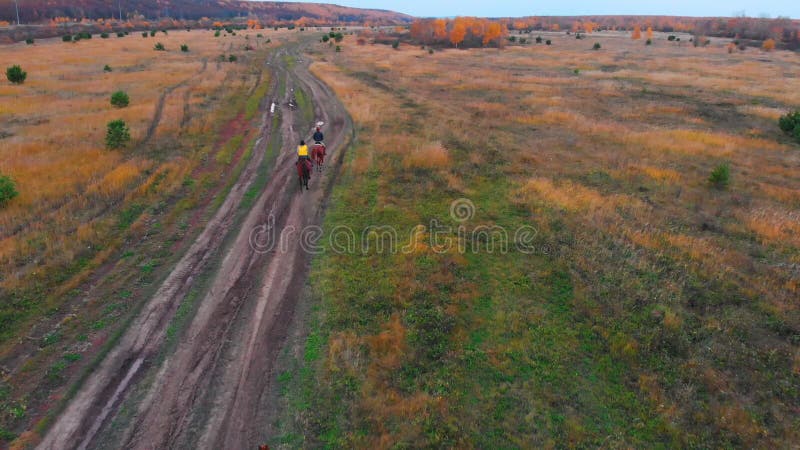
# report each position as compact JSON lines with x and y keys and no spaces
{"x":302,"y":142}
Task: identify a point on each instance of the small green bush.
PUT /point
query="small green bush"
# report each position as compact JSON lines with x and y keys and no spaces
{"x":548,"y":42}
{"x":597,"y":46}
{"x":430,"y":51}
{"x":104,"y":35}
{"x":338,"y":37}
{"x":120,"y":34}
{"x":144,"y":34}
{"x":671,"y":37}
{"x":790,"y":124}
{"x":66,"y":38}
{"x":29,"y":41}
{"x":106,"y":68}
{"x":117,"y":134}
{"x":338,"y":49}
{"x":184,"y":48}
{"x":325,"y":38}
{"x":538,"y":39}
{"x":649,"y":42}
{"x":16,"y":75}
{"x":152,"y":33}
{"x":216,"y":33}
{"x":159,"y":47}
{"x":232,"y":58}
{"x":120,"y":99}
{"x":8,"y":189}
{"x":396,"y":44}
{"x":721,"y":176}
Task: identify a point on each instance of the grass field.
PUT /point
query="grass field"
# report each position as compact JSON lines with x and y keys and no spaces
{"x":651,"y":309}
{"x":93,"y":229}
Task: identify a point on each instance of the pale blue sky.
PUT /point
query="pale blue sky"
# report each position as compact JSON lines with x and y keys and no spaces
{"x":512,"y":8}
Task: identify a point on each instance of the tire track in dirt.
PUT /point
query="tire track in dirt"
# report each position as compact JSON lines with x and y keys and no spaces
{"x":98,"y":395}
{"x":151,"y":130}
{"x":207,"y":393}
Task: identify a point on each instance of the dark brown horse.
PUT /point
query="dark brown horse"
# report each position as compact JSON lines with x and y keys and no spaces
{"x":303,"y":171}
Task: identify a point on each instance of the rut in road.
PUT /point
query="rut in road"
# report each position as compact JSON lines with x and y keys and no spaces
{"x":207,"y":392}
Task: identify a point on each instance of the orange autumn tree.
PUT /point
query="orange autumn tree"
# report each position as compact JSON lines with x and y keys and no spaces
{"x":458,"y":32}
{"x":768,"y":45}
{"x":649,"y":32}
{"x":440,"y":29}
{"x":637,"y":32}
{"x":494,"y":33}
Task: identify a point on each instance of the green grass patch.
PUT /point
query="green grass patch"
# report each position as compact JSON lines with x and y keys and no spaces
{"x":225,"y":155}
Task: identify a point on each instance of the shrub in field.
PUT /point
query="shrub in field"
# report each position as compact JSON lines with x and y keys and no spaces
{"x":232,"y":58}
{"x":216,"y":33}
{"x":120,"y":34}
{"x":16,"y":75}
{"x":338,"y":37}
{"x":721,"y":176}
{"x":396,"y":44}
{"x":538,"y":39}
{"x":338,"y":49}
{"x":144,"y":34}
{"x":106,"y":68}
{"x":66,"y":38}
{"x":768,"y":45}
{"x":790,"y":124}
{"x":649,"y":42}
{"x":117,"y":134}
{"x":597,"y":46}
{"x":548,"y":42}
{"x":152,"y":33}
{"x":104,"y":35}
{"x":325,"y":38}
{"x":29,"y":41}
{"x":159,"y":47}
{"x":671,"y":37}
{"x":120,"y":99}
{"x":8,"y":189}
{"x":184,"y":48}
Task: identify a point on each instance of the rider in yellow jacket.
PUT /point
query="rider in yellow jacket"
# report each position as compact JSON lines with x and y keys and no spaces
{"x":302,"y":151}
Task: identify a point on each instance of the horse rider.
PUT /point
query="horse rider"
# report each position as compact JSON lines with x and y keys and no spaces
{"x":318,"y":136}
{"x":302,"y":152}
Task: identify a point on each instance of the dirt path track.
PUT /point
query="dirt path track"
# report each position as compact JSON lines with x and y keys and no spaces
{"x":206,"y":394}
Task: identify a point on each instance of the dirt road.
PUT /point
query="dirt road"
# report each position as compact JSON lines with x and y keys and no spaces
{"x":206,"y":392}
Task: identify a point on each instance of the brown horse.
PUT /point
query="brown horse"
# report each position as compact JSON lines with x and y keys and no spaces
{"x":303,"y":171}
{"x":318,"y":154}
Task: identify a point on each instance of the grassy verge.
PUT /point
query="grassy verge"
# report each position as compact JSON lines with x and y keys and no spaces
{"x":637,"y":311}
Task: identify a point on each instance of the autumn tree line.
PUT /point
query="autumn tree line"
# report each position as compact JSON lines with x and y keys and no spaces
{"x":474,"y":32}
{"x":461,"y":32}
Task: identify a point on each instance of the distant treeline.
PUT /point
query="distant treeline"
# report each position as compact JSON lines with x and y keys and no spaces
{"x":42,"y":11}
{"x":472,"y":31}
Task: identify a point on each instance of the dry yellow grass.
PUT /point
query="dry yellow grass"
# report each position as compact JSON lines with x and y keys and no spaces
{"x":57,"y":121}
